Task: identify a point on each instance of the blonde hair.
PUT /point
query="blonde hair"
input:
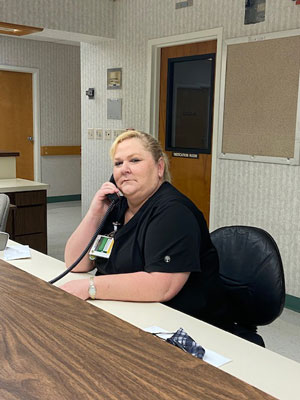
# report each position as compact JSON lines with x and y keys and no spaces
{"x":149,"y":143}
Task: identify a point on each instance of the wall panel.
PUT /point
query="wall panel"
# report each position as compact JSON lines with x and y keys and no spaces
{"x":261,"y":96}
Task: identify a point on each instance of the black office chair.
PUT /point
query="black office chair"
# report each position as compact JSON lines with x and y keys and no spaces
{"x":252,"y":273}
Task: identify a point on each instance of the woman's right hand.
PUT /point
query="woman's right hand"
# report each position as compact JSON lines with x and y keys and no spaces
{"x":100,"y":202}
{"x":88,"y":226}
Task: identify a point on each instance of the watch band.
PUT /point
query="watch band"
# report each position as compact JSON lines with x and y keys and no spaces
{"x":92,"y":288}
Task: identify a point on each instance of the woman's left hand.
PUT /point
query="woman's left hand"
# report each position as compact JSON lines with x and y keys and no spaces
{"x":78,"y":287}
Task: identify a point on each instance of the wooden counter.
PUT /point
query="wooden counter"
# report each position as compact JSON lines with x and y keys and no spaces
{"x":57,"y":346}
{"x":20,"y":185}
{"x":27,"y":220}
{"x":9,"y":154}
{"x":270,"y":372}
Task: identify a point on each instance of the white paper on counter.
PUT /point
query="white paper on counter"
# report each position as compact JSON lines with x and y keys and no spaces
{"x":211,"y":357}
{"x":16,"y":252}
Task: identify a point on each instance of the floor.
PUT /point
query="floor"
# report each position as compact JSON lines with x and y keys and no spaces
{"x":63,"y":218}
{"x":282,"y":336}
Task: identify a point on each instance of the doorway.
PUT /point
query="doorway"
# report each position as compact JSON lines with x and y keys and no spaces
{"x":19,"y":116}
{"x":16,"y":116}
{"x":153,"y":91}
{"x":192,"y":176}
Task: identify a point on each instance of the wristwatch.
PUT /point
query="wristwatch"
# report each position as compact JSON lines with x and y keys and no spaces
{"x":92,"y":288}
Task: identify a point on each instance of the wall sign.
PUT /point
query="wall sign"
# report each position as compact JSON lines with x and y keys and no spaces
{"x":185,"y":155}
{"x":114,"y":78}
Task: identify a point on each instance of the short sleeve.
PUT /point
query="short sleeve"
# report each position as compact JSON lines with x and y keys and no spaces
{"x":172,"y":241}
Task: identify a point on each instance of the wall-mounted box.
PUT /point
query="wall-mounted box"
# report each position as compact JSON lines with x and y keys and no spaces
{"x":114,"y":108}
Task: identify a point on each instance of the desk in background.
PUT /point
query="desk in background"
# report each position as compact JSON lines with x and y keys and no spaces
{"x":257,"y":366}
{"x":27,"y":219}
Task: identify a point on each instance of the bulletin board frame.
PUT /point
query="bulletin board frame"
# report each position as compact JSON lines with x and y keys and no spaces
{"x":250,"y":129}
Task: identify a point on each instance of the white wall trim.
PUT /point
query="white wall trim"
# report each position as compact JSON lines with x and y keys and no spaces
{"x":264,"y":36}
{"x":256,"y":158}
{"x":36,"y":113}
{"x":153,"y":84}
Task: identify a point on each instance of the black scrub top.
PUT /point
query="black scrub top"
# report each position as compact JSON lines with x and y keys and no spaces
{"x":168,"y":234}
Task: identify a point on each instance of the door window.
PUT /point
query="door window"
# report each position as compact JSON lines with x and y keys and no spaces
{"x":189,"y":103}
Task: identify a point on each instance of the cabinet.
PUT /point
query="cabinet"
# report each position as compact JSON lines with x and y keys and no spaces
{"x":27,"y":220}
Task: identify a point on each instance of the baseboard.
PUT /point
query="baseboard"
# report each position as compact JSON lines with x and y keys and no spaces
{"x":292,"y":303}
{"x":58,"y":199}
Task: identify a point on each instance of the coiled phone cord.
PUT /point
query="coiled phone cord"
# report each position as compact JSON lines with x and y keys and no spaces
{"x":110,"y":208}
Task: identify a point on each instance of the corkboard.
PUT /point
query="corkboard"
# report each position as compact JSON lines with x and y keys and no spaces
{"x":261,"y":93}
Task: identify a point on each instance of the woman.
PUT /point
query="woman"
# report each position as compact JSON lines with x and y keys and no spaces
{"x":162,"y":250}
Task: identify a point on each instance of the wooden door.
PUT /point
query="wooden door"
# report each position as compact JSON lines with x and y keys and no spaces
{"x":16,"y":119}
{"x":191,"y":176}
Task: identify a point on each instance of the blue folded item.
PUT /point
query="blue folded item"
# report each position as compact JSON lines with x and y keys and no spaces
{"x":182,"y":340}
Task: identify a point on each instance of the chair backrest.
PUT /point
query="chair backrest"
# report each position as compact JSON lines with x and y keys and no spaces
{"x":252,"y":272}
{"x":4,"y":209}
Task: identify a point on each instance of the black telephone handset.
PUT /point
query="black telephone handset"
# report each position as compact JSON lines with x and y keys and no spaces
{"x":113,"y":198}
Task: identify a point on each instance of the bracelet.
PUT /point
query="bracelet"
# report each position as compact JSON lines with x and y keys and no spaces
{"x":92,"y":288}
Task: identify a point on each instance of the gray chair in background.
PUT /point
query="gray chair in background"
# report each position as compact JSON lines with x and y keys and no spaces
{"x":4,"y":210}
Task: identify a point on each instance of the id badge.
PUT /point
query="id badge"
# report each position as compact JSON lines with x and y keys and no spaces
{"x":102,"y":247}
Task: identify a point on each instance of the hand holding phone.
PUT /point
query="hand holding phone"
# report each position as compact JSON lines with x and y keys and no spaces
{"x":113,"y":196}
{"x":103,"y":198}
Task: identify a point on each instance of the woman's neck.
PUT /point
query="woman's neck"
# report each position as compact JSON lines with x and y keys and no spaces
{"x":133,"y":207}
{"x":135,"y":204}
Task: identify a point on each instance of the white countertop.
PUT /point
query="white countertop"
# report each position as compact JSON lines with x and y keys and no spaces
{"x":260,"y":367}
{"x":20,"y":185}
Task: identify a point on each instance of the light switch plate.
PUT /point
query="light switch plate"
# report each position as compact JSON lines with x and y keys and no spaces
{"x":99,"y":134}
{"x":107,"y":134}
{"x":115,"y":134}
{"x":91,"y":133}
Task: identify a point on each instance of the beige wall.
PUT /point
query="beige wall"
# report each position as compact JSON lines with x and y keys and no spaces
{"x":91,"y":17}
{"x":258,"y":194}
{"x":59,"y":93}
